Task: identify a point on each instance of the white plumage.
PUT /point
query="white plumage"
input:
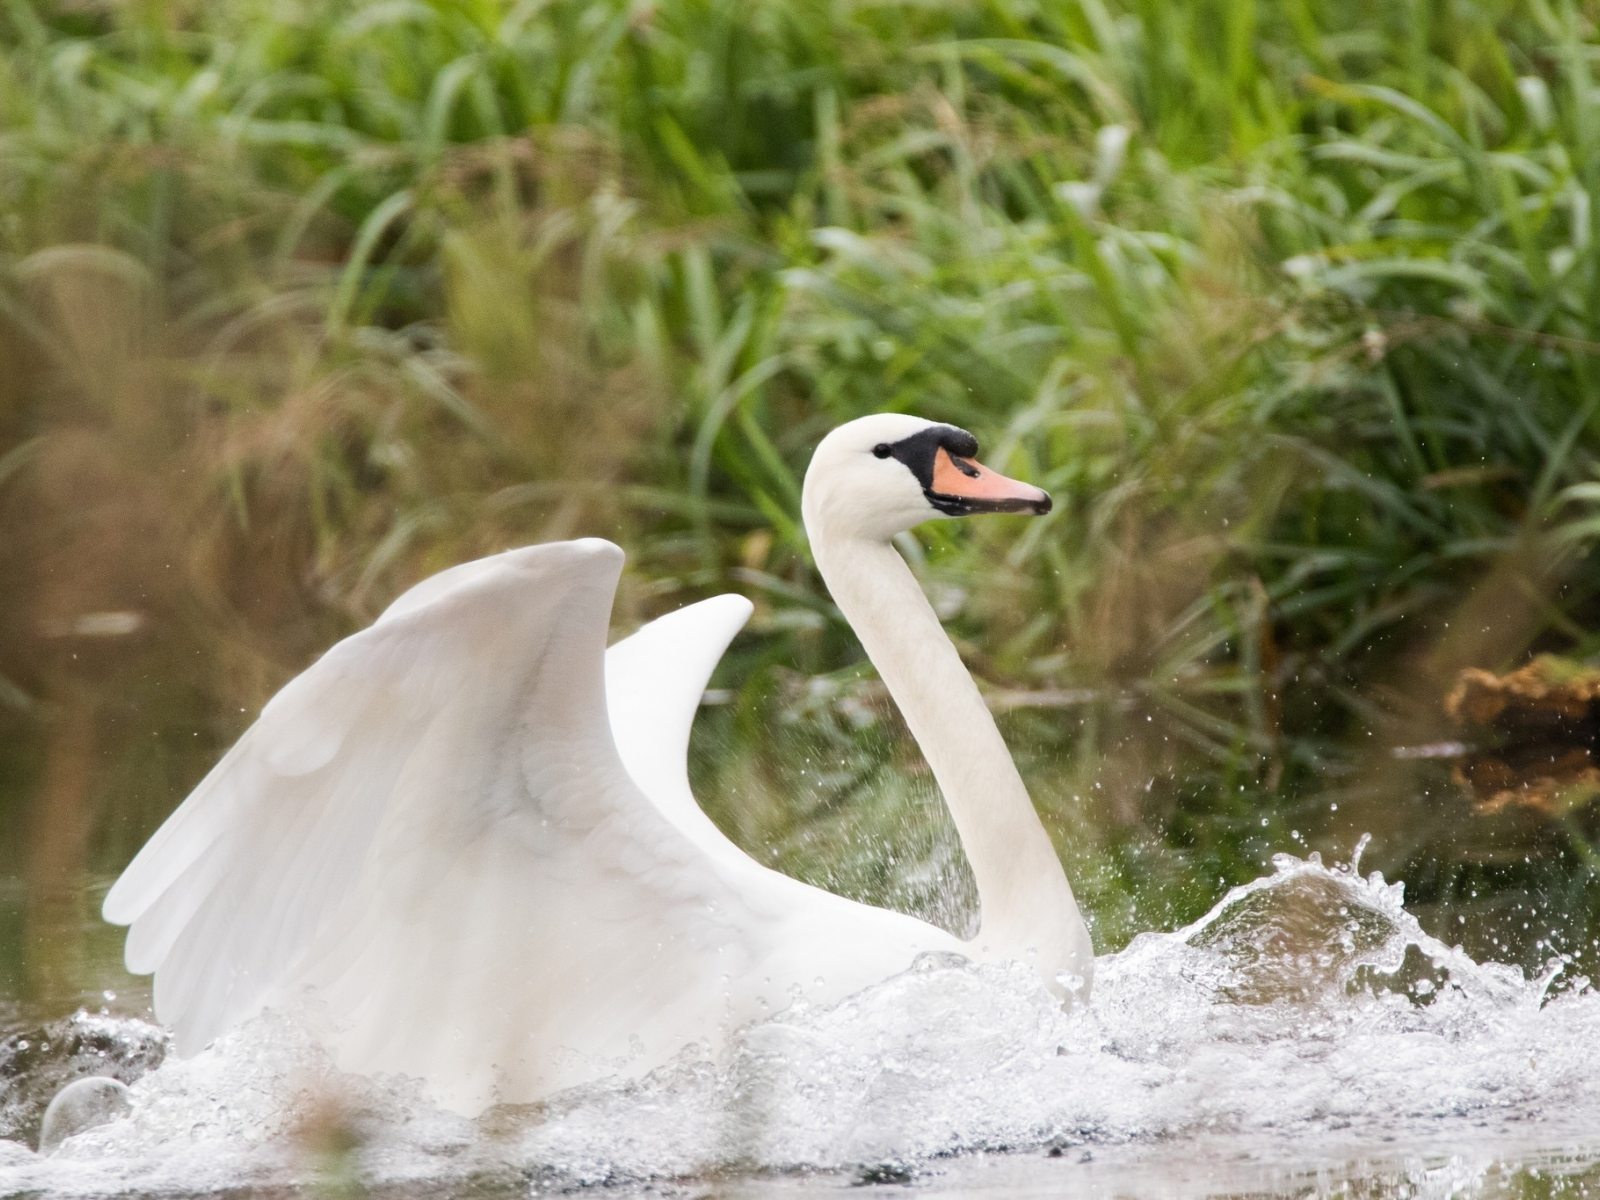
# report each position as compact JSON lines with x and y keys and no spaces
{"x":462,"y":844}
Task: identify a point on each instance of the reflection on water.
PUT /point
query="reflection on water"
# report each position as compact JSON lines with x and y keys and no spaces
{"x":59,"y":957}
{"x":1222,"y":1168}
{"x":88,"y":770}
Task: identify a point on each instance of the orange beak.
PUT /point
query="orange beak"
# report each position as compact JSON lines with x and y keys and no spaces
{"x":963,"y":485}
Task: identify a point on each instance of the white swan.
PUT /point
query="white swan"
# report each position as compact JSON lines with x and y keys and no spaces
{"x":438,"y":845}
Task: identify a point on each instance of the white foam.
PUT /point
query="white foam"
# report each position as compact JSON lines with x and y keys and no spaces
{"x":1307,"y":1007}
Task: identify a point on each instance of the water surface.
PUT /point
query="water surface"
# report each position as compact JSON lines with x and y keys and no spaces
{"x":1305,"y":1037}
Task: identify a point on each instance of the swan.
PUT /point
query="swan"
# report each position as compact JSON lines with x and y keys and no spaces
{"x":462,"y":847}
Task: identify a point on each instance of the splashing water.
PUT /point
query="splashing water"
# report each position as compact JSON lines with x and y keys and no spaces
{"x":1308,"y":1009}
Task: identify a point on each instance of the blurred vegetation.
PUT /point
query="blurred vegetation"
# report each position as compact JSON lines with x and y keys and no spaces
{"x":1292,"y":306}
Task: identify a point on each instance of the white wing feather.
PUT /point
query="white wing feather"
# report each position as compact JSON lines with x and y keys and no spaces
{"x":429,"y":845}
{"x":825,"y":944}
{"x":435,"y":809}
{"x":654,"y":682}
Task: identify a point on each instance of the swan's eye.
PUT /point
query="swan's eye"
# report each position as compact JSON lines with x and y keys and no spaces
{"x":882,"y":450}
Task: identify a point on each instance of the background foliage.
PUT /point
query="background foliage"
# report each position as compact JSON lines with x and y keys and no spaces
{"x":1291,"y":305}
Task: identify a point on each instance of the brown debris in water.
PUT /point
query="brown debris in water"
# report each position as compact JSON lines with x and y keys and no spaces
{"x":1537,"y":730}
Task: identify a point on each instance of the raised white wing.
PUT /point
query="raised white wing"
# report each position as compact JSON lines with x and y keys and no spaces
{"x":654,"y":682}
{"x":430,"y":836}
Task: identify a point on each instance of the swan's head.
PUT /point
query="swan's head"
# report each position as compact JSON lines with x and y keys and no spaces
{"x":880,"y":475}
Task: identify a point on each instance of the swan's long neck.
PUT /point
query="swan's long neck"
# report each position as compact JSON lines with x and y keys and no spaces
{"x":1027,"y":905}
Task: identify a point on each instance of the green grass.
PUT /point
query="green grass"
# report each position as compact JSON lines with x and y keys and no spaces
{"x":1290,"y":305}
